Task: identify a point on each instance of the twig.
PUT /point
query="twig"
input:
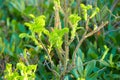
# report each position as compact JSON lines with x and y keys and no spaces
{"x":57,"y":23}
{"x":59,"y":53}
{"x":111,"y":31}
{"x":54,"y":72}
{"x":117,"y":24}
{"x":101,"y":69}
{"x":96,"y":30}
{"x":77,"y":37}
{"x":86,"y":36}
{"x":114,"y":4}
{"x":66,"y":38}
{"x":80,"y":42}
{"x":70,"y":41}
{"x":111,"y":10}
{"x":78,"y":6}
{"x":51,"y":18}
{"x":46,"y":52}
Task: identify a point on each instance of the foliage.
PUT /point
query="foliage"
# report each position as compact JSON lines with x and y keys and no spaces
{"x":22,"y":72}
{"x":74,"y":18}
{"x":55,"y":35}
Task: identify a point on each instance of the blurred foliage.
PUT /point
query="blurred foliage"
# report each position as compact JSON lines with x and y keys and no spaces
{"x":21,"y":72}
{"x":97,"y":59}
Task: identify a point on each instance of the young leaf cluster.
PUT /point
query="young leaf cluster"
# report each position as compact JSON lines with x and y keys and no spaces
{"x":22,"y":72}
{"x":55,"y":37}
{"x":85,"y":11}
{"x":74,"y":19}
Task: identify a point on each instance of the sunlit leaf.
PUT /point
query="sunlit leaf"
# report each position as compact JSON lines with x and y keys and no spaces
{"x":74,"y":19}
{"x":23,"y":35}
{"x":94,"y":12}
{"x":55,"y":37}
{"x":105,"y":52}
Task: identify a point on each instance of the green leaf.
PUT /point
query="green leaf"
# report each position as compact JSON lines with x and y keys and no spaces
{"x":89,"y":68}
{"x":8,"y":68}
{"x":92,"y":54}
{"x":94,"y":12}
{"x":118,"y":65}
{"x":68,"y":77}
{"x":57,"y":1}
{"x":75,"y":73}
{"x":55,"y":37}
{"x":74,"y":19}
{"x":105,"y":52}
{"x":21,"y":27}
{"x":21,"y":72}
{"x":83,"y":6}
{"x":40,"y":21}
{"x":23,"y":35}
{"x":32,"y":16}
{"x":84,"y":11}
{"x":81,"y":78}
{"x":18,"y":4}
{"x":116,"y":76}
{"x":111,"y":60}
{"x":31,"y":68}
{"x":79,"y":65}
{"x":28,"y":24}
{"x":20,"y":66}
{"x":89,"y":7}
{"x":92,"y":76}
{"x":80,"y":54}
{"x":38,"y":25}
{"x":104,"y":63}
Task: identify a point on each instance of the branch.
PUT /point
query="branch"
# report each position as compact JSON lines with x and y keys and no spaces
{"x":57,"y":22}
{"x":85,"y":35}
{"x":114,"y":4}
{"x":80,"y":42}
{"x":96,"y":30}
{"x":112,"y":31}
{"x":46,"y":52}
{"x":50,"y":21}
{"x":66,"y":58}
{"x":54,"y":72}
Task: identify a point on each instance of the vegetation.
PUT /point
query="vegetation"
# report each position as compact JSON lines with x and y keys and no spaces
{"x":59,"y":40}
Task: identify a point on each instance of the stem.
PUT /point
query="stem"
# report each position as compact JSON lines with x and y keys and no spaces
{"x":86,"y":36}
{"x":57,"y":23}
{"x":96,"y":30}
{"x":66,"y":36}
{"x":46,"y":52}
{"x":59,"y":53}
{"x":80,"y":42}
{"x":111,"y":31}
{"x":50,"y":21}
{"x":112,"y":9}
{"x":114,"y":4}
{"x":54,"y":72}
{"x":76,"y":49}
{"x":78,"y":6}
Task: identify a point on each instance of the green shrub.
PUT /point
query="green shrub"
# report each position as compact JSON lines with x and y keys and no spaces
{"x":21,"y":72}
